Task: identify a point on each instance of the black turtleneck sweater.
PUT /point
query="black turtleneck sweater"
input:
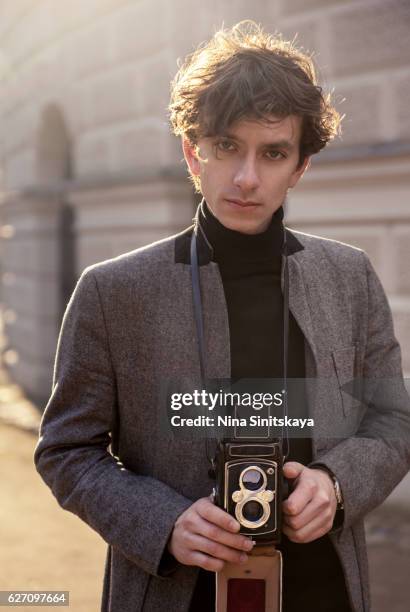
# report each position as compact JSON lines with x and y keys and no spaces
{"x":250,"y":267}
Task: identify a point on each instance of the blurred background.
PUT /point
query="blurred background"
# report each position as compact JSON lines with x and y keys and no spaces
{"x":89,"y":168}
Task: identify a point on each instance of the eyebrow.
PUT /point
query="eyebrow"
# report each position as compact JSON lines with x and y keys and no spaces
{"x":278,"y":144}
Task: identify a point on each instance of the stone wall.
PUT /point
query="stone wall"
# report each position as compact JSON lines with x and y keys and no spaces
{"x":84,"y":88}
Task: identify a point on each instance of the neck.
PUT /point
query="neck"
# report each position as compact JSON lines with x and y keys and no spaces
{"x":229,"y":244}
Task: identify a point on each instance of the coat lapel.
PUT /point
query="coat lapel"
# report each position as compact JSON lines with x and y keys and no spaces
{"x":300,"y":308}
{"x":216,"y":323}
{"x":320,"y":314}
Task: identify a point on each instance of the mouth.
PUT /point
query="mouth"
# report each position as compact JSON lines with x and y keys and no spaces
{"x":242,"y":203}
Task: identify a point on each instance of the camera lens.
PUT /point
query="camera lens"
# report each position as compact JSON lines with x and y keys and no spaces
{"x":252,"y":511}
{"x":252,"y":479}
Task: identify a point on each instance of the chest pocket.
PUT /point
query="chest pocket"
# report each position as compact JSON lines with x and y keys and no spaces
{"x":344,"y":361}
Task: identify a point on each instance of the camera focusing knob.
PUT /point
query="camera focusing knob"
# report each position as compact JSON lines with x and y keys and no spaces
{"x":237,"y":496}
{"x":267,"y":495}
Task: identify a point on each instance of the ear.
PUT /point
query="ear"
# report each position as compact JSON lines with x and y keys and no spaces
{"x":299,"y":172}
{"x":191,"y":156}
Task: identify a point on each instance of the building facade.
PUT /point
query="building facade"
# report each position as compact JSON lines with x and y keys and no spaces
{"x":89,"y":168}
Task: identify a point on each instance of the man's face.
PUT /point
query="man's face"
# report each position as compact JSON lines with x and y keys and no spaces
{"x":246,"y":172}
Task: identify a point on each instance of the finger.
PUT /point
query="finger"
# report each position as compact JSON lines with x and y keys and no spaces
{"x":293,"y":469}
{"x":207,"y":510}
{"x":310,"y":513}
{"x":319,"y":504}
{"x":206,"y":562}
{"x":213,"y":532}
{"x":312,"y":531}
{"x":300,"y":497}
{"x":215,"y":549}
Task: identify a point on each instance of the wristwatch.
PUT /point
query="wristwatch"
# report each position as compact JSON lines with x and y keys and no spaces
{"x":338,"y":491}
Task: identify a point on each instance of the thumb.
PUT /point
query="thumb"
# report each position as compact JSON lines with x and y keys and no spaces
{"x":293,"y":469}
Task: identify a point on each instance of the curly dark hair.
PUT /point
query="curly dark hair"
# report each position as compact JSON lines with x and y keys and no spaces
{"x":244,"y":72}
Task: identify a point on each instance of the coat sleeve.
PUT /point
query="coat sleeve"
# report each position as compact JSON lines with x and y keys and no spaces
{"x":371,"y":463}
{"x":132,"y":512}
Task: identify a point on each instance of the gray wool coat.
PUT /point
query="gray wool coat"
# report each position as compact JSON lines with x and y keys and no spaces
{"x":129,"y":325}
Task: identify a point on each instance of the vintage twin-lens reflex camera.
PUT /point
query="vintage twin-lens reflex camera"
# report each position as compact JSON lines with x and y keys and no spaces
{"x":250,"y":486}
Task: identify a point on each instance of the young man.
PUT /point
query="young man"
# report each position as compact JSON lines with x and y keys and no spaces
{"x":250,"y":114}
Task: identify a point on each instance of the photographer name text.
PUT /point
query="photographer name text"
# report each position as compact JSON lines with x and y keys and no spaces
{"x":229,"y":421}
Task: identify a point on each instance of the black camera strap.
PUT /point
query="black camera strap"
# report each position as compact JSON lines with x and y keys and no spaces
{"x":199,"y":323}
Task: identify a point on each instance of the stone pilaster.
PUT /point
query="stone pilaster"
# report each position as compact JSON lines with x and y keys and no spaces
{"x":31,"y":275}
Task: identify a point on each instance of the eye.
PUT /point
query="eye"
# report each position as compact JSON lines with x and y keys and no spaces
{"x":224,"y":145}
{"x":275,"y":155}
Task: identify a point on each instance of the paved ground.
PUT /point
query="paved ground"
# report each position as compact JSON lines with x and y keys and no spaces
{"x":44,"y":547}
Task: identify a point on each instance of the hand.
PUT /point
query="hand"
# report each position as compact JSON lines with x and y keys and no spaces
{"x":206,"y":536}
{"x":309,"y":511}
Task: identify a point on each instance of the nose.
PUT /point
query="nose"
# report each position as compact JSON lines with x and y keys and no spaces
{"x":246,"y":176}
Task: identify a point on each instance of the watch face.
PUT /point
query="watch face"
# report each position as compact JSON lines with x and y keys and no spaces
{"x":338,"y":493}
